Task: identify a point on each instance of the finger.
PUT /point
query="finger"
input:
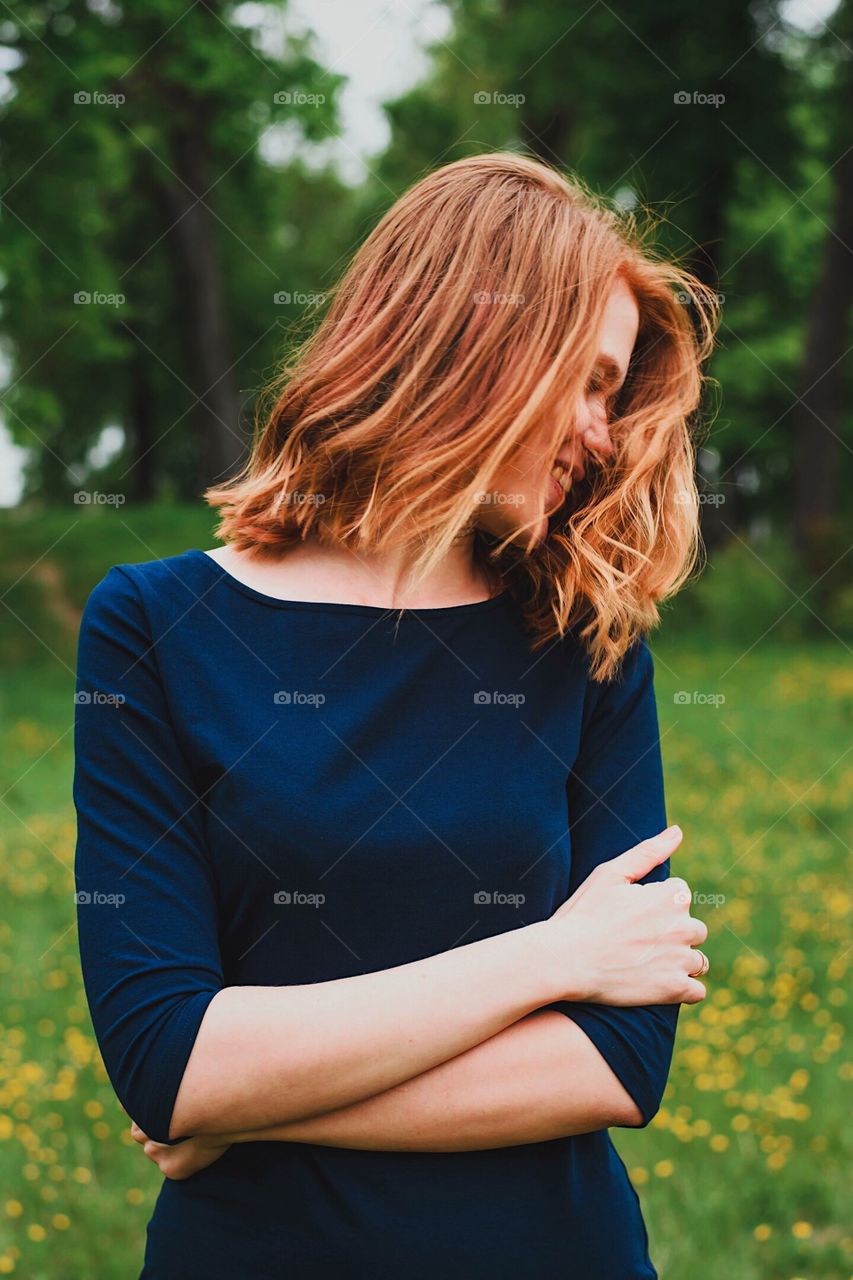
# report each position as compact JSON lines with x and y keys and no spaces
{"x":136,"y":1133}
{"x":635,"y":863}
{"x":699,"y":932}
{"x":695,"y":992}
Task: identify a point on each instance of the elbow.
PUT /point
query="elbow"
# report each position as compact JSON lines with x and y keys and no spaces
{"x":188,"y":1115}
{"x":632,"y":1114}
{"x":157,"y":1071}
{"x":159,"y":1119}
{"x":179,"y":1127}
{"x":629,"y":1116}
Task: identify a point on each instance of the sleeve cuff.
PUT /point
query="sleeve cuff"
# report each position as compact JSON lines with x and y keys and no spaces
{"x":618,"y":1053}
{"x":179,"y":1036}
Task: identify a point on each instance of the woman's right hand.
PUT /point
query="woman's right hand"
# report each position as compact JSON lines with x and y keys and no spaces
{"x":627,"y":943}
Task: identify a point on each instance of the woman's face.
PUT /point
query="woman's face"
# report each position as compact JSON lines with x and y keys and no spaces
{"x":535,"y":484}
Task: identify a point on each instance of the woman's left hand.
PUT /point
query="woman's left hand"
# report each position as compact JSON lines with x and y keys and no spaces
{"x":183,"y":1160}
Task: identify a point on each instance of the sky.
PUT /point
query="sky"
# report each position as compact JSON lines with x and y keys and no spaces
{"x":381,"y":47}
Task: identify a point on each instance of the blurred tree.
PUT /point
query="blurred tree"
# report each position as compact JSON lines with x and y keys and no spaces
{"x":151,"y":244}
{"x":821,"y":415}
{"x":714,"y":119}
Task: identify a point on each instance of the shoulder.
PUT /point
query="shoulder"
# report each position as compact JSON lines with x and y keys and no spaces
{"x":637,"y":665}
{"x":135,"y":607}
{"x":128,"y":588}
{"x":632,"y":684}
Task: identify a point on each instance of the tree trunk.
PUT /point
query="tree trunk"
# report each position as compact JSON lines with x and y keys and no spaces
{"x":818,"y":417}
{"x":141,"y":415}
{"x":209,"y":356}
{"x":549,"y":137}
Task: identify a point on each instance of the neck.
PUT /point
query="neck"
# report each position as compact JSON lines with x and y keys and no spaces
{"x":385,"y":578}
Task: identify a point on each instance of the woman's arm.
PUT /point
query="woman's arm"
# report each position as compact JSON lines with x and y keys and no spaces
{"x":188,"y":1054}
{"x":509,"y":1090}
{"x":616,"y":797}
{"x":268,"y":1055}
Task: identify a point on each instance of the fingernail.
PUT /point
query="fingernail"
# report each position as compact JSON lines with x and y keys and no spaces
{"x":671,"y":831}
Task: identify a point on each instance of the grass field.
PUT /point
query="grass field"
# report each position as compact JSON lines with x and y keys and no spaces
{"x":743,"y":1175}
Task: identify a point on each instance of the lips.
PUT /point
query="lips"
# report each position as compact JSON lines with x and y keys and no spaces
{"x":556,"y":492}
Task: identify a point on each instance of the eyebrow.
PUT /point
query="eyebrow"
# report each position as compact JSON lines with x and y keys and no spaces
{"x":609,"y":368}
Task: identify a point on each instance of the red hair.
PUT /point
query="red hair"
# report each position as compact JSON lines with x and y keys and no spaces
{"x":387,"y":425}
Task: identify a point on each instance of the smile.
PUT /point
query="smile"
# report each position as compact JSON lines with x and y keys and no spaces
{"x":562,"y":476}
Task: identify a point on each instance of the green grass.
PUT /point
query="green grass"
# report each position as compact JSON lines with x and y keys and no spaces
{"x":744,"y":1172}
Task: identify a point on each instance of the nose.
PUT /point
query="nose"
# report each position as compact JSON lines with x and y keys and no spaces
{"x":593,"y":438}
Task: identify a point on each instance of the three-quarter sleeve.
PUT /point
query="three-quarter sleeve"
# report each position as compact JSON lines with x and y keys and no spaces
{"x":146,"y":901}
{"x":615,"y":800}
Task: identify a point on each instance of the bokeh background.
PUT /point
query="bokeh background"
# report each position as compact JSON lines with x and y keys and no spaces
{"x":182,"y":182}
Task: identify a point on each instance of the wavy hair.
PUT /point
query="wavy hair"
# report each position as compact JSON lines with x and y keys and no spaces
{"x":466,"y":321}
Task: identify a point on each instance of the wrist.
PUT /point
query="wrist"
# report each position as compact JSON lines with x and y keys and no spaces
{"x":560,"y":975}
{"x":217,"y":1141}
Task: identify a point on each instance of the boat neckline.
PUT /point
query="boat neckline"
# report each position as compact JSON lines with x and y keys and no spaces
{"x":340,"y":606}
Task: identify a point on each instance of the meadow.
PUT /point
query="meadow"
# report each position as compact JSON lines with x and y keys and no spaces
{"x":743,"y":1175}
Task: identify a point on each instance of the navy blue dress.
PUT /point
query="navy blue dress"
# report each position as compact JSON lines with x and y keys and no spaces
{"x":283,"y":792}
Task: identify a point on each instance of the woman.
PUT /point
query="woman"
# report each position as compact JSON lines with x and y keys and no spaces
{"x":376,"y":921}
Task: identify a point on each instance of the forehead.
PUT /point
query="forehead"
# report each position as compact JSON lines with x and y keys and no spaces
{"x":619,"y":327}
